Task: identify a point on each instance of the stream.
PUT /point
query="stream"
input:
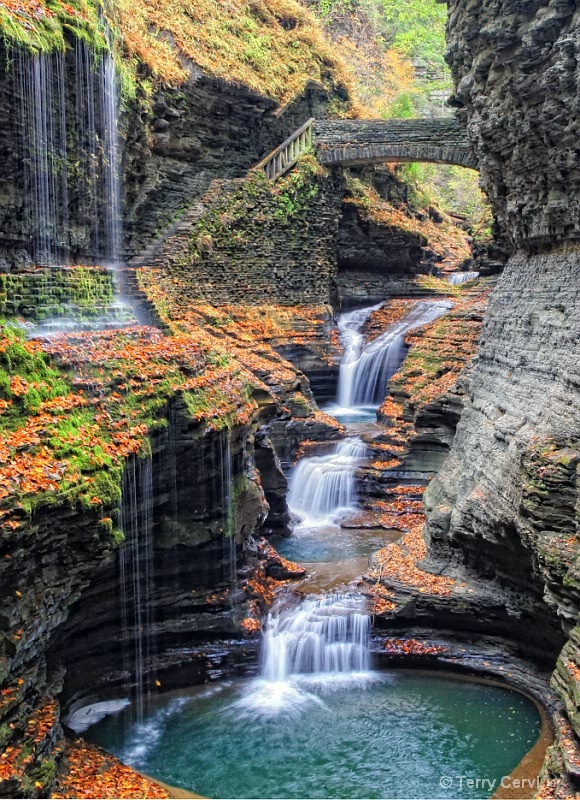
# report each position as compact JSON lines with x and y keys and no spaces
{"x":318,"y":721}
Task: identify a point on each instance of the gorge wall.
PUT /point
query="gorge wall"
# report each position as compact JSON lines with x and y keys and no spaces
{"x":174,"y":142}
{"x":506,"y":501}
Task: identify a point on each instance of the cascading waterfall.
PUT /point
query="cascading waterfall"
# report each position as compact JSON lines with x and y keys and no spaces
{"x":71,"y":155}
{"x":315,"y":643}
{"x":352,"y":338}
{"x":321,"y":487}
{"x":366,"y":369}
{"x":457,"y":278}
{"x":136,"y":580}
{"x":323,"y":634}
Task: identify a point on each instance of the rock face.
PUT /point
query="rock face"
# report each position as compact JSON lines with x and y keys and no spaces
{"x":525,"y":389}
{"x":515,"y":67}
{"x":175,"y":153}
{"x":86,"y":616}
{"x":187,"y":515}
{"x":506,"y":501}
{"x":170,"y":152}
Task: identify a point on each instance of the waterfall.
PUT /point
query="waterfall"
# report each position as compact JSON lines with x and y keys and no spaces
{"x":366,"y":369}
{"x":349,"y":327}
{"x":42,"y":91}
{"x":457,"y":278}
{"x":312,"y":643}
{"x":136,"y":579}
{"x":71,"y":155}
{"x":111,"y":156}
{"x":321,"y":487}
{"x":228,"y":501}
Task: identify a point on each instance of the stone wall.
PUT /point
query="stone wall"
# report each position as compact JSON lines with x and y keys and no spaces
{"x":254,"y":241}
{"x":60,"y":292}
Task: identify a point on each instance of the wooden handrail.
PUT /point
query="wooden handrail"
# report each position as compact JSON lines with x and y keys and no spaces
{"x":280,"y":160}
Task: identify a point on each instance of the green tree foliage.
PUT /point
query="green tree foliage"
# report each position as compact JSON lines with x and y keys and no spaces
{"x":384,"y":41}
{"x":416,"y":28}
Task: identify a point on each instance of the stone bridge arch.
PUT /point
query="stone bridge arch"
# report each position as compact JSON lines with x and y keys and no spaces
{"x":350,"y":142}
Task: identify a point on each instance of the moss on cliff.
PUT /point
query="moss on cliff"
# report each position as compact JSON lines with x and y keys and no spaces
{"x":73,"y":410}
{"x":43,"y":26}
{"x":77,"y":292}
{"x":274,"y":47}
{"x":256,"y":205}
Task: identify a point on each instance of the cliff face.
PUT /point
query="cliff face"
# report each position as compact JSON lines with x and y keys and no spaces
{"x":515,"y":66}
{"x":506,"y":500}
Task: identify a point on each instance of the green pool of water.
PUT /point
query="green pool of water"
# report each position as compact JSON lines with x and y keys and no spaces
{"x":352,"y":416}
{"x":406,"y":736}
{"x":332,"y":543}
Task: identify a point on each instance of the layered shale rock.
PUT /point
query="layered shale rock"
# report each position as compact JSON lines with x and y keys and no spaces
{"x":515,"y":67}
{"x":505,"y":503}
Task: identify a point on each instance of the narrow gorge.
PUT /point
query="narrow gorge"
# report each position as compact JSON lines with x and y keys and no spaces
{"x":289,"y":415}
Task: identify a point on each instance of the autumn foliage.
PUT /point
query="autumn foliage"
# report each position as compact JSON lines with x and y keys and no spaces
{"x":89,"y":772}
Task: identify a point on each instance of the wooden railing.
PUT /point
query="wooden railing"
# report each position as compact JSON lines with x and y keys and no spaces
{"x":280,"y":160}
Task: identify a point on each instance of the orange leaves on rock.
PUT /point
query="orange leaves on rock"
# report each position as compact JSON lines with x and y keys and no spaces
{"x":28,"y":11}
{"x":412,"y":647}
{"x":36,"y":732}
{"x":383,"y":465}
{"x":92,"y":773}
{"x":251,"y":625}
{"x":439,"y":352}
{"x":398,"y":562}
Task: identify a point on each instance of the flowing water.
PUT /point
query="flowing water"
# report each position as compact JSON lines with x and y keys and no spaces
{"x":318,"y":721}
{"x":136,"y":580}
{"x":366,"y":368}
{"x":71,"y":158}
{"x":457,"y":278}
{"x":321,"y":488}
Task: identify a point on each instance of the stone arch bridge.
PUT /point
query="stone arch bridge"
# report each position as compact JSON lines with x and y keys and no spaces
{"x":362,"y":141}
{"x":348,"y":142}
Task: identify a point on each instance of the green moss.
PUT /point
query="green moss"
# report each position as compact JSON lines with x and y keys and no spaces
{"x":257,"y":203}
{"x":80,"y":293}
{"x":47,"y":30}
{"x":44,"y":773}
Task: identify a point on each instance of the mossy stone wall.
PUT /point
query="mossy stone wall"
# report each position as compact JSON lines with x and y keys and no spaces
{"x":260,"y":242}
{"x":78,"y":292}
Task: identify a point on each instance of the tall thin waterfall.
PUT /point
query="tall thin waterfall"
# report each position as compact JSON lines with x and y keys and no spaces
{"x":457,"y":278}
{"x":136,"y":579}
{"x":42,"y":89}
{"x":319,"y":642}
{"x":111,"y":157}
{"x":71,"y":154}
{"x":366,"y":369}
{"x":323,"y":486}
{"x":228,"y":504}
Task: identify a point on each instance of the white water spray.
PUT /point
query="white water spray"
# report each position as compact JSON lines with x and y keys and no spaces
{"x":323,"y":487}
{"x":457,"y":278}
{"x":320,"y":644}
{"x":366,"y":369}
